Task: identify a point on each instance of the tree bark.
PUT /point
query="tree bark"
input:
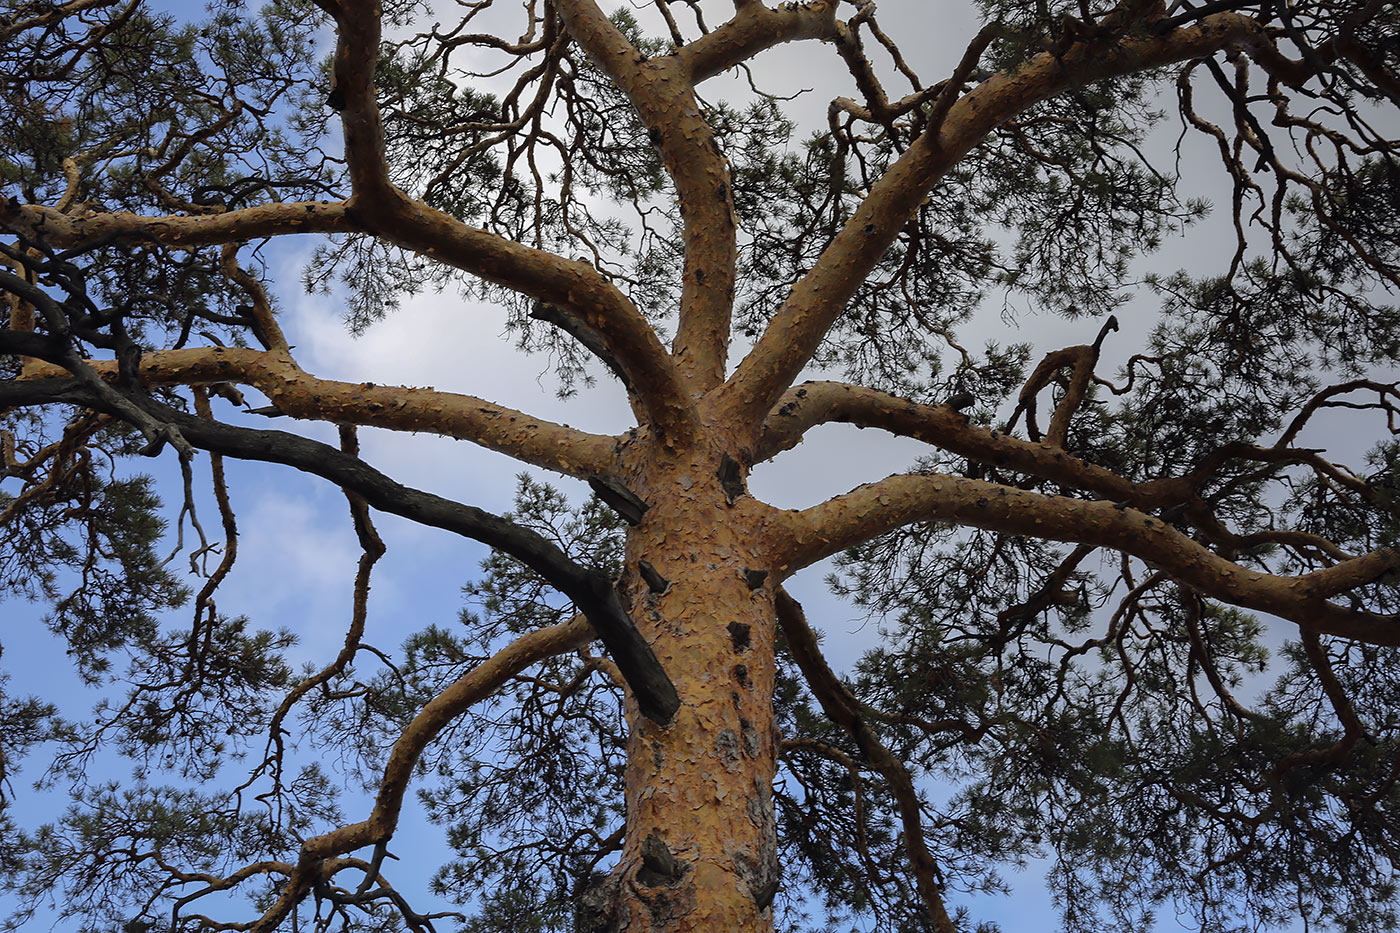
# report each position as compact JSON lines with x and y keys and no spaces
{"x":701,"y":850}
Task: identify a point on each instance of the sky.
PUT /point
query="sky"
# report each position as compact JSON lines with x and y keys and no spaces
{"x":298,"y":550}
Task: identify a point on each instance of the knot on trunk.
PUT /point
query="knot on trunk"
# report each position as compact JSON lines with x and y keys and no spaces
{"x":731,"y":479}
{"x":762,"y":876}
{"x":659,"y":867}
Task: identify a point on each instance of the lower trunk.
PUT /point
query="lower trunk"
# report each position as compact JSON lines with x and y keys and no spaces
{"x":701,"y":849}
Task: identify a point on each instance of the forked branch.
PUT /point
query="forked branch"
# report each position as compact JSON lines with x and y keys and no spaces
{"x":386,"y":211}
{"x":820,"y":296}
{"x":662,"y":91}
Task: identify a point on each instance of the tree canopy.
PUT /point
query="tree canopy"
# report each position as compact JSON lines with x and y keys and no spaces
{"x":1139,"y":617}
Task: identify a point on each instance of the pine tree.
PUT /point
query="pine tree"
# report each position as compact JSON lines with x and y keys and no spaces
{"x":634,"y":727}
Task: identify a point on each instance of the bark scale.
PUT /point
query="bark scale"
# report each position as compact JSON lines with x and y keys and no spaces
{"x":701,"y":849}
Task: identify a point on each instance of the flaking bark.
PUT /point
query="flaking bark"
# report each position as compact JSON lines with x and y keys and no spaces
{"x":691,"y":626}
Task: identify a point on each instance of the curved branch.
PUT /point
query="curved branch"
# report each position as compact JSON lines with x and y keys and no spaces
{"x":873,"y":509}
{"x":1080,"y":361}
{"x":947,"y":428}
{"x":1353,"y":729}
{"x":755,"y":28}
{"x":663,"y":93}
{"x":818,"y":299}
{"x":844,"y":709}
{"x":386,"y":211}
{"x":1200,"y":650}
{"x":1385,"y":391}
{"x":300,"y":394}
{"x":551,"y":279}
{"x":590,"y":590}
{"x":49,"y":15}
{"x":531,"y":272}
{"x":265,"y":326}
{"x":371,"y":550}
{"x":470,"y":688}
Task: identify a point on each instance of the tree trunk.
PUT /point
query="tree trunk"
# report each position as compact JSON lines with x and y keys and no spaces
{"x":701,"y":849}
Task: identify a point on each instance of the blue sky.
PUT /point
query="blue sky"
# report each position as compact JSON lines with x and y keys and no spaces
{"x":298,"y":549}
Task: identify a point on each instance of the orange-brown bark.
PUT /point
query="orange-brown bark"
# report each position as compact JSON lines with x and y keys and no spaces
{"x":407,"y":222}
{"x":52,"y":226}
{"x":701,"y":849}
{"x":754,"y":28}
{"x":468,"y":689}
{"x":297,"y":393}
{"x":828,"y":528}
{"x":816,"y":300}
{"x":942,"y":426}
{"x":662,"y":91}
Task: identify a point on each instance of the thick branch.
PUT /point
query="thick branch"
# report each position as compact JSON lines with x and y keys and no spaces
{"x":571,"y":284}
{"x":591,"y":340}
{"x":590,"y":590}
{"x":754,"y":28}
{"x":66,"y":231}
{"x":464,"y":692}
{"x":900,"y":500}
{"x":388,"y":212}
{"x":358,"y":35}
{"x":297,"y":393}
{"x":947,"y":428}
{"x":532,"y":272}
{"x":818,"y":299}
{"x":662,"y":91}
